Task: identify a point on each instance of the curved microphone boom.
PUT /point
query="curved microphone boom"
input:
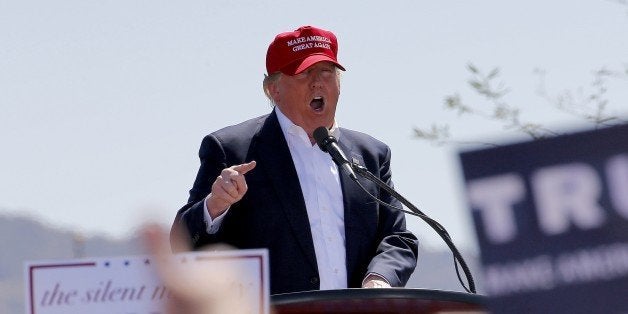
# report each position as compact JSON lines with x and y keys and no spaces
{"x":328,"y":143}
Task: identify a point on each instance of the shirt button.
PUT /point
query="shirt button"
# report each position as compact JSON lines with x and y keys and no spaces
{"x":314,"y":280}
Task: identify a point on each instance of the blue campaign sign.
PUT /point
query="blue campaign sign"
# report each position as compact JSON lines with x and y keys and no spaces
{"x":551,"y":218}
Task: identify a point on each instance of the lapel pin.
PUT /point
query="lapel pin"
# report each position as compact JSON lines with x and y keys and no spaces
{"x":355,"y":161}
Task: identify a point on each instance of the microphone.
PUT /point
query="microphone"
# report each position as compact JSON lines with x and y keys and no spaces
{"x":327,"y":143}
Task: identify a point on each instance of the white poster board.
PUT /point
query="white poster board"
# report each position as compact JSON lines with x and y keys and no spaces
{"x":130,"y":285}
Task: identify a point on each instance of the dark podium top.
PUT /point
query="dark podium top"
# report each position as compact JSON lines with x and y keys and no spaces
{"x":390,"y":300}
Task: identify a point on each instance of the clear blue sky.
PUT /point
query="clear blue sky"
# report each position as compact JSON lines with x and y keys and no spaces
{"x":103,"y":103}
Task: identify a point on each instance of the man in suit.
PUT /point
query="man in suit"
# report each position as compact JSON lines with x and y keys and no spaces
{"x":264,"y":183}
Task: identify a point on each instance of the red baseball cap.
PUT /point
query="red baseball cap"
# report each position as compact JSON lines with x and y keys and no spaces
{"x":293,"y":52}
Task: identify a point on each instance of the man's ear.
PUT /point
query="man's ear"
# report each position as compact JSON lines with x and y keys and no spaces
{"x":274,"y":91}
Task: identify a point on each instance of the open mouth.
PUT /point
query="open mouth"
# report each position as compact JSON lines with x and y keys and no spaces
{"x":317,"y":104}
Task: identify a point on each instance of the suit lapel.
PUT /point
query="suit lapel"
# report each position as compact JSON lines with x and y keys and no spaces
{"x":274,"y":157}
{"x":353,"y":198}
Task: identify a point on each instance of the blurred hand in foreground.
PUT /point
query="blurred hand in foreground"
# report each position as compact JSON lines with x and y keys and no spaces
{"x":194,"y":288}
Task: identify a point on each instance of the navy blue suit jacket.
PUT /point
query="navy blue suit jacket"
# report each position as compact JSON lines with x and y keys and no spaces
{"x":272,"y":213}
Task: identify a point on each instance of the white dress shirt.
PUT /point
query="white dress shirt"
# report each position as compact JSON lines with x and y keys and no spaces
{"x":320,"y":184}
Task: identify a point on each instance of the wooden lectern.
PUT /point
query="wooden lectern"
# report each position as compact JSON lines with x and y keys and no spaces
{"x":391,"y":300}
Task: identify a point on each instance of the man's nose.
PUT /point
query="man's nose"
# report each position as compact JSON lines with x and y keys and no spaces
{"x":316,"y":79}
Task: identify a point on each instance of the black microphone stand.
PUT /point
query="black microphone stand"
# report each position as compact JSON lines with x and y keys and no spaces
{"x":458,"y":259}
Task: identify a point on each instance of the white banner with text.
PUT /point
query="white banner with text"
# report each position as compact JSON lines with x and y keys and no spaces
{"x":133,"y":285}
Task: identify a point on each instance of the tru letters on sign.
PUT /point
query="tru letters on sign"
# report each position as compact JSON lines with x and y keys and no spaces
{"x":564,"y":195}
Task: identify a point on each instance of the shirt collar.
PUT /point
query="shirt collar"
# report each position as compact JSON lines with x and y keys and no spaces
{"x":289,"y":128}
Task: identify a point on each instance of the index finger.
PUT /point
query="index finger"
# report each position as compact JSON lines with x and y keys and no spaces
{"x":244,"y":168}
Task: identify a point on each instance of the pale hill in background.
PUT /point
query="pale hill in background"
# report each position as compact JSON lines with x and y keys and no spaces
{"x":25,"y":239}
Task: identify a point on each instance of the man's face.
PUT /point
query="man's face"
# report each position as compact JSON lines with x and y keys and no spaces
{"x":309,"y":98}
